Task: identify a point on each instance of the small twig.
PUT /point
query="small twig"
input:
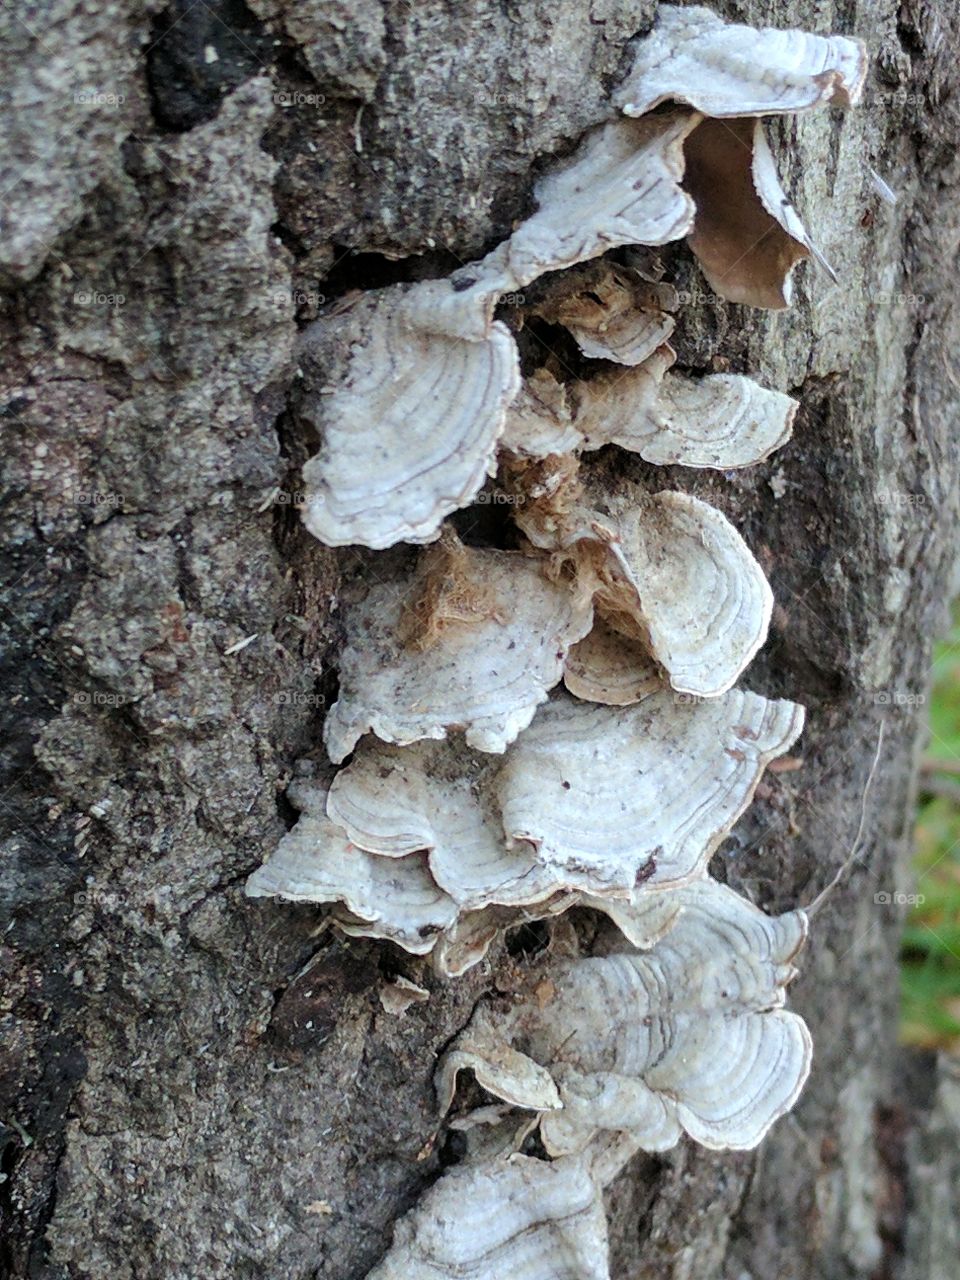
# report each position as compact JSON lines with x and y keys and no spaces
{"x":852,"y":856}
{"x":883,"y":190}
{"x":21,"y":1132}
{"x":240,"y":645}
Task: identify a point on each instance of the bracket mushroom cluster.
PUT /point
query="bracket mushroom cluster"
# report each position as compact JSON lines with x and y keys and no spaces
{"x":684,"y":1035}
{"x":624,"y":1051}
{"x":592,"y":804}
{"x":413,"y":382}
{"x":559,"y":725}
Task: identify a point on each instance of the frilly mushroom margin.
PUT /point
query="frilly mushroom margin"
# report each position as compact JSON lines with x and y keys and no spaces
{"x":698,"y":966}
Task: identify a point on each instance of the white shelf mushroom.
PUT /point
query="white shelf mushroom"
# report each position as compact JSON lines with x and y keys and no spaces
{"x":473,"y":642}
{"x":621,"y":1052}
{"x":689,"y":1037}
{"x":724,"y":69}
{"x":413,"y":381}
{"x":514,"y":1217}
{"x":747,"y":236}
{"x":668,"y":570}
{"x":540,"y":421}
{"x":614,"y":798}
{"x":436,"y":846}
{"x":395,"y":899}
{"x":621,"y":186}
{"x":690,"y":584}
{"x":409,"y":417}
{"x":616,"y":316}
{"x":438,"y":799}
{"x":607,"y":667}
{"x":722,"y":421}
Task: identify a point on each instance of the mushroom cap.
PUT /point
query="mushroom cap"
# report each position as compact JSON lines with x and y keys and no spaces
{"x":540,"y":421}
{"x":587,"y":799}
{"x":640,"y":794}
{"x":397,"y":899}
{"x":516,"y":1216}
{"x":437,"y":798}
{"x":723,"y":421}
{"x":492,"y":636}
{"x":689,"y":581}
{"x":439,"y":848}
{"x":747,"y":236}
{"x":690,"y":1036}
{"x":611,"y":668}
{"x":725,"y":69}
{"x":410,"y":417}
{"x":621,"y":186}
{"x":616,"y":314}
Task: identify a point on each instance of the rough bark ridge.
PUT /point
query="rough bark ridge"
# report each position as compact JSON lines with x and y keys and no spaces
{"x":199,"y":1085}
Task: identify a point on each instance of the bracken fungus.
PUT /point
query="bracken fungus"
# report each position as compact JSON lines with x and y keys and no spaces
{"x":479,"y":792}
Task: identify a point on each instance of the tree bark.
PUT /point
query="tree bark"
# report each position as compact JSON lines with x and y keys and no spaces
{"x":196,"y":1084}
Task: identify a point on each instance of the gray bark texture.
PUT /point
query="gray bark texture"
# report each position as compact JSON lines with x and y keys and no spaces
{"x":194,"y":1084}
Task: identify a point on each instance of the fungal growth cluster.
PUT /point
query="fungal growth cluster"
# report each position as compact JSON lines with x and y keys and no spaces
{"x":559,"y":724}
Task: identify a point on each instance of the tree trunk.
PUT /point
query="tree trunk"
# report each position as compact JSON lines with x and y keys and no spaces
{"x":197,"y":1084}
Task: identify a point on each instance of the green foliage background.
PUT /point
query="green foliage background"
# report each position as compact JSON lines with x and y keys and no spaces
{"x":930,"y":973}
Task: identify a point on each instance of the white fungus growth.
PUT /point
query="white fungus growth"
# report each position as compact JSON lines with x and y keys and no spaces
{"x":472,"y":642}
{"x":687,"y":1037}
{"x":479,"y":794}
{"x":590,"y":800}
{"x":723,"y":421}
{"x":668,"y":570}
{"x":618,"y":316}
{"x":508,"y":1217}
{"x":409,"y":417}
{"x":723,"y":69}
{"x":611,"y":668}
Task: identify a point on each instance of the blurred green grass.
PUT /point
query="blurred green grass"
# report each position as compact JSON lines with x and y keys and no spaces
{"x":930,"y":969}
